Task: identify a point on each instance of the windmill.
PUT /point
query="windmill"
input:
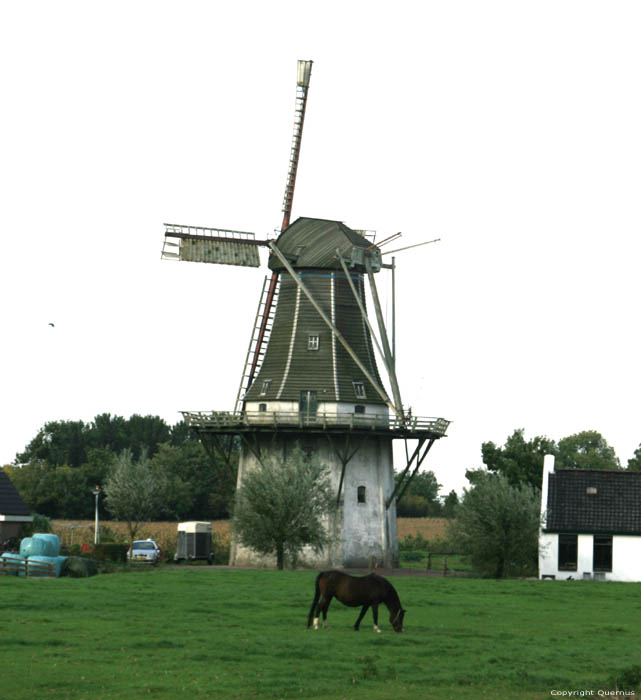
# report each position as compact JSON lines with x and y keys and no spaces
{"x":310,"y":375}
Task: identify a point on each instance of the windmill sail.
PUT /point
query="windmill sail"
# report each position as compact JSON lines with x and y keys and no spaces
{"x":211,"y":245}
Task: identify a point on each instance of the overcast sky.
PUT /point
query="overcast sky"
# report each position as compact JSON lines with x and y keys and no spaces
{"x":509,"y":130}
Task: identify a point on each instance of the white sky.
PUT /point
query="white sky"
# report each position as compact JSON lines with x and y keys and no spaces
{"x":508,"y":129}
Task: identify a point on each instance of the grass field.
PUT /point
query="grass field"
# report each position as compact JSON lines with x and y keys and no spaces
{"x":208,"y":632}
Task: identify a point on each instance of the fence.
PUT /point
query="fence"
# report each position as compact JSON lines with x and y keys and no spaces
{"x":12,"y":566}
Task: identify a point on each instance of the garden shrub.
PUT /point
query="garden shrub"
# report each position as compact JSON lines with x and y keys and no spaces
{"x":79,"y":567}
{"x":111,"y":551}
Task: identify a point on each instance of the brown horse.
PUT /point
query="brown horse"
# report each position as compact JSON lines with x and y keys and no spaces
{"x":368,"y":591}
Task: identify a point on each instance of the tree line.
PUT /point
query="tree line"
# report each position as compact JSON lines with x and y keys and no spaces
{"x":58,"y":469}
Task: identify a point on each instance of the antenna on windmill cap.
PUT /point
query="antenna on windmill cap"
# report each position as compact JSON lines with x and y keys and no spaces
{"x":416,"y":245}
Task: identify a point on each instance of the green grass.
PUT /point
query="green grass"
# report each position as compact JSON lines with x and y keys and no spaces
{"x":204,"y":632}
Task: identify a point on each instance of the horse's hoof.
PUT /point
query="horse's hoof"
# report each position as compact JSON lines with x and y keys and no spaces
{"x":376,"y":629}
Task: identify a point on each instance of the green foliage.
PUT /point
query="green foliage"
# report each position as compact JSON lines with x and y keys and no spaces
{"x":280,"y":506}
{"x":519,"y":460}
{"x":450,"y":503}
{"x":220,"y":548}
{"x":59,"y":468}
{"x":420,"y":498}
{"x":79,"y":567}
{"x":110,"y":551}
{"x":497,"y":525}
{"x":40,"y":523}
{"x":586,"y":450}
{"x":634,"y":463}
{"x":133,"y":492}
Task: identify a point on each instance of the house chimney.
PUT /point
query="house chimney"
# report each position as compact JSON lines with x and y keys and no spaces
{"x":548,"y":468}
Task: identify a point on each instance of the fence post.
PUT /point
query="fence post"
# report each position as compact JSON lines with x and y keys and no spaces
{"x":444,"y":566}
{"x":429,"y":561}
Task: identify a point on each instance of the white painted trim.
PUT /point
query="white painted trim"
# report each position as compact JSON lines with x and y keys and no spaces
{"x":333,"y":311}
{"x":291,"y":344}
{"x":16,"y":518}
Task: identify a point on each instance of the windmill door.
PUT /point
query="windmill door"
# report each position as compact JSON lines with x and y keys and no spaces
{"x":308,"y":406}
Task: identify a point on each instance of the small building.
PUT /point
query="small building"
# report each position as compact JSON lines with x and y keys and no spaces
{"x":590,"y":524}
{"x":13,"y":511}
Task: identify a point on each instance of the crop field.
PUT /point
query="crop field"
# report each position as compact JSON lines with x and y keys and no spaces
{"x":212,"y":632}
{"x":82,"y":531}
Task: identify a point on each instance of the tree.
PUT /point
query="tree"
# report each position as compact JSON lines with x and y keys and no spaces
{"x":132,"y":492}
{"x":497,"y":525}
{"x":450,"y":503}
{"x":586,"y":450}
{"x":421,"y":496}
{"x":280,"y":507}
{"x":634,"y":463}
{"x":519,"y":460}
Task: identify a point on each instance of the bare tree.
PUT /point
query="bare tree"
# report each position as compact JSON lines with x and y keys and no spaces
{"x":279,"y":507}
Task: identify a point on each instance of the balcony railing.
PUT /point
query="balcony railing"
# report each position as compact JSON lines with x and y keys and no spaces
{"x":220,"y":420}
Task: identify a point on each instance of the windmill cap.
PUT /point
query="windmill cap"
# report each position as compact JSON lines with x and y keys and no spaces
{"x":312,"y":243}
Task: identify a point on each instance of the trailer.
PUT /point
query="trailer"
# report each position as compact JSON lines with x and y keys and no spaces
{"x":194,"y":542}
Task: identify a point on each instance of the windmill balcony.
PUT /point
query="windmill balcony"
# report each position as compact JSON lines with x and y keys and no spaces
{"x":242,"y":421}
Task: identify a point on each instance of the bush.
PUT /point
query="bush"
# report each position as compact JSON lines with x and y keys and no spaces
{"x":79,"y":567}
{"x":40,"y":523}
{"x":111,"y":551}
{"x":220,"y":546}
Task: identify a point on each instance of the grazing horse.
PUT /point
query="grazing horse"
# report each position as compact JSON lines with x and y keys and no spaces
{"x":368,"y":591}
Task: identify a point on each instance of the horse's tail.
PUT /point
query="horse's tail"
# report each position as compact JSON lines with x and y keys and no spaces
{"x":317,"y":594}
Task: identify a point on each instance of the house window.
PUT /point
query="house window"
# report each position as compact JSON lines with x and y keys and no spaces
{"x":359,"y":390}
{"x":313,"y":342}
{"x":262,"y":407}
{"x":360,"y":494}
{"x":359,"y":409}
{"x":567,"y":552}
{"x":265,"y":388}
{"x":602,"y":553}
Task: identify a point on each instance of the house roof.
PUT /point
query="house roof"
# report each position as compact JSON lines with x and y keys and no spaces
{"x":592,"y":501}
{"x":10,"y":501}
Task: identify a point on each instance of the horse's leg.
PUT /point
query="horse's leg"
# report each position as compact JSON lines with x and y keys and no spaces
{"x":328,"y":600}
{"x":317,"y":611}
{"x":361,"y":616}
{"x":375,"y":615}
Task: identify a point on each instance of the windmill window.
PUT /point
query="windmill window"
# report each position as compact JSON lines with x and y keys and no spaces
{"x":360,"y":494}
{"x":567,"y":552}
{"x":313,"y":342}
{"x":265,"y":388}
{"x":359,"y":390}
{"x":262,"y":407}
{"x":359,"y":408}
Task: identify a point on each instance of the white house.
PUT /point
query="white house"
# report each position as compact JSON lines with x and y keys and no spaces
{"x":590,"y":524}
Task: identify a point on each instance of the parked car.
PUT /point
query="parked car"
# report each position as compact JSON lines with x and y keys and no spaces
{"x":145,"y":551}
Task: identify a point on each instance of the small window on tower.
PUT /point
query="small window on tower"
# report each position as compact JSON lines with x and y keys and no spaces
{"x":359,"y":409}
{"x":360,"y":494}
{"x":262,"y":407}
{"x":313,"y":342}
{"x":359,"y":390}
{"x":265,"y":388}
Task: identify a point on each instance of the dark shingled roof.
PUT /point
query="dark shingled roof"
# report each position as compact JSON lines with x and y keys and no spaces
{"x":10,"y":501}
{"x":312,"y":243}
{"x":590,"y":501}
